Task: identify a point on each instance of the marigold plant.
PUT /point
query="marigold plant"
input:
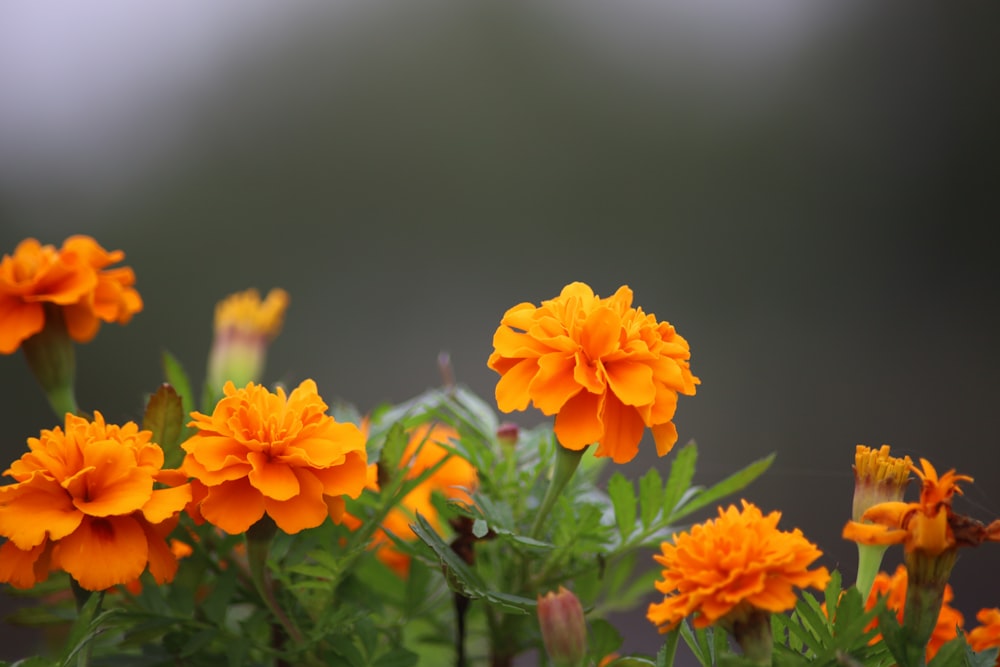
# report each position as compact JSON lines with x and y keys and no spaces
{"x":262,"y":452}
{"x":85,"y":501}
{"x":604,"y":368}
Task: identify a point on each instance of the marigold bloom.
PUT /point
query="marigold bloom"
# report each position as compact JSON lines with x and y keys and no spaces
{"x":84,"y":501}
{"x":987,"y":634}
{"x":271,"y":452}
{"x":894,"y":589}
{"x":733,"y":565}
{"x":74,"y":278}
{"x":244,"y":325}
{"x":606,"y":370}
{"x":453,"y":479}
{"x":922,"y":526}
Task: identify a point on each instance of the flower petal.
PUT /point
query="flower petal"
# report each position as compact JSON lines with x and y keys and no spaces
{"x":306,"y":510}
{"x":272,"y":478}
{"x":233,"y":506}
{"x":512,"y":389}
{"x":623,"y":429}
{"x":103,"y":552}
{"x":579,"y":424}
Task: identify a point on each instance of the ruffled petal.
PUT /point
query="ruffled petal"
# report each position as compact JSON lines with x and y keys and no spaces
{"x":579,"y":423}
{"x":103,"y":552}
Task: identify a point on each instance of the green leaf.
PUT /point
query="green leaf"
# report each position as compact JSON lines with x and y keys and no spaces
{"x":650,"y":497}
{"x":178,"y":379}
{"x":164,"y":416}
{"x":603,"y":639}
{"x":461,"y":578}
{"x":731,"y":484}
{"x":622,"y":496}
{"x":216,"y":604}
{"x":665,"y":656}
{"x":681,"y":474}
{"x":397,"y":657}
{"x":391,"y":457}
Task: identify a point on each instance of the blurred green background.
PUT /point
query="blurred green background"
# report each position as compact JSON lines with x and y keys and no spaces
{"x":807,"y":192}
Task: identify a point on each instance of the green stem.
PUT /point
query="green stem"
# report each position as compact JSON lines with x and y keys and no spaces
{"x":567,"y":461}
{"x":258,"y":544}
{"x":52,"y":358}
{"x":869,"y":562}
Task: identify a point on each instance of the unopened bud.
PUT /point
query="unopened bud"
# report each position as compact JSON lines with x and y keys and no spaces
{"x":507,"y":434}
{"x":564,"y":630}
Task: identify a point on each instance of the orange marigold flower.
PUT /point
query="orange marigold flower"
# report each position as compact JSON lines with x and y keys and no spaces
{"x":85,"y":501}
{"x":244,"y":325}
{"x":74,"y":278}
{"x":731,"y":566}
{"x":894,"y":589}
{"x":606,"y":370}
{"x":987,"y":634}
{"x":924,"y":526}
{"x":271,"y":452}
{"x":454,"y":479}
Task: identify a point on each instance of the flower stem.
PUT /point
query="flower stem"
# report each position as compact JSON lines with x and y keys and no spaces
{"x":258,"y":544}
{"x":52,"y":359}
{"x":869,"y":562}
{"x":567,"y":461}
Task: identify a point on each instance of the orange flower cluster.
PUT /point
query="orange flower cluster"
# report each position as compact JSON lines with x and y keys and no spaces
{"x":75,"y":279}
{"x":894,"y":589}
{"x":267,"y":452}
{"x":987,"y":634}
{"x":606,"y":370}
{"x":84,"y":501}
{"x":731,"y":565}
{"x":928,"y":526}
{"x":453,"y":479}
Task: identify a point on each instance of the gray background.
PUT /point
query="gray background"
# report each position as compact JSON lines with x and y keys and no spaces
{"x":806,"y":192}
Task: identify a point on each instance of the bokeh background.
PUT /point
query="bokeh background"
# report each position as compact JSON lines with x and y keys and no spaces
{"x":806,"y":190}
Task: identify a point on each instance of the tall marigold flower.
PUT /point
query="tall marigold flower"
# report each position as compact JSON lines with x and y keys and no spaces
{"x":85,"y":501}
{"x":244,"y":325}
{"x":262,"y":452}
{"x":878,"y":477}
{"x":454,"y":479}
{"x":893,"y":588}
{"x":987,"y":634}
{"x":605,"y":369}
{"x":735,"y":570}
{"x":74,"y":280}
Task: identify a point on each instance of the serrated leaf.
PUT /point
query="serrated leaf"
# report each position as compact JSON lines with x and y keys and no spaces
{"x":679,"y":479}
{"x":391,"y":456}
{"x":164,"y":416}
{"x":650,"y":497}
{"x":460,"y":577}
{"x":622,"y":495}
{"x":665,"y":656}
{"x":731,"y":484}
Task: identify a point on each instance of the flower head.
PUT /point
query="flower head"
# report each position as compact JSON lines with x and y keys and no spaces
{"x":893,"y":588}
{"x":605,"y":369}
{"x":878,"y":477}
{"x":927,"y":526}
{"x":730,"y":567}
{"x":85,"y":501}
{"x":987,"y":634}
{"x":244,"y":325}
{"x":270,"y":452}
{"x":74,"y":280}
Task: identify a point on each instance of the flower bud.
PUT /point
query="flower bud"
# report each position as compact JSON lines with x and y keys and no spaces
{"x":507,"y":434}
{"x":564,"y":630}
{"x":244,"y":325}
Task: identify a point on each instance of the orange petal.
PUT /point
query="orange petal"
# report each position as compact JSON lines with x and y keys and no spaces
{"x":579,"y":424}
{"x":233,"y":506}
{"x":110,"y":484}
{"x":665,"y":436}
{"x":631,"y":381}
{"x":889,"y":513}
{"x":306,"y":510}
{"x":31,"y":509}
{"x":870,"y":533}
{"x":81,"y":323}
{"x":23,"y":568}
{"x":162,"y":561}
{"x":553,"y":385}
{"x":18,"y":322}
{"x":512,"y":389}
{"x":347,"y":479}
{"x":164,"y":503}
{"x":272,"y":478}
{"x":103,"y":552}
{"x":623,"y":429}
{"x":601,"y":333}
